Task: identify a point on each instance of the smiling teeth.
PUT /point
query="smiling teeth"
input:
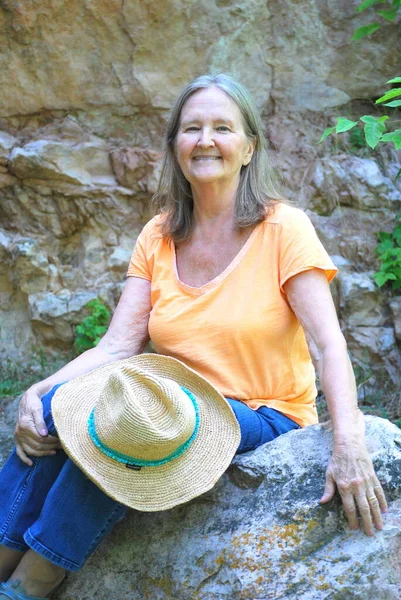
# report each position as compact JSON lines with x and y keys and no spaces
{"x":207,"y":157}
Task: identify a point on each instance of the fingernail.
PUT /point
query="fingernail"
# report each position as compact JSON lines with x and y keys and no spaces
{"x":43,"y":432}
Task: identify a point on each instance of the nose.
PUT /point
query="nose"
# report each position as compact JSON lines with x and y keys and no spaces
{"x":205,"y":138}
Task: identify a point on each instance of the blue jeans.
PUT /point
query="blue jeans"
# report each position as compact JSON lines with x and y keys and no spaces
{"x":53,"y":508}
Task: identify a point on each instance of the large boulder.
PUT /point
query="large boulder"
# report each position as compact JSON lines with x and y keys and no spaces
{"x":260,"y":533}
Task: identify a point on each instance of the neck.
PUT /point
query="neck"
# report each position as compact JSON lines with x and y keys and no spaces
{"x":214,"y":205}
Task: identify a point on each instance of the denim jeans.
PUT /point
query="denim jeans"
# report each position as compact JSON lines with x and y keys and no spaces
{"x":53,"y":508}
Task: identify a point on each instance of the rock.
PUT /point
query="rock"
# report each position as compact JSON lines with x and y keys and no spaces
{"x":352,"y":181}
{"x":7,"y":143}
{"x":395,"y":306}
{"x":375,"y":348}
{"x":362,"y":302}
{"x":259,"y":533}
{"x":80,"y":164}
{"x":137,"y":169}
{"x":54,"y":315}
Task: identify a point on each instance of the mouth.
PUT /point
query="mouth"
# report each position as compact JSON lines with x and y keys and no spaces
{"x":207,"y":158}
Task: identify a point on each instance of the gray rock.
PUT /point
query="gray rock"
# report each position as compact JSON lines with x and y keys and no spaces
{"x":260,"y":533}
{"x":395,"y":306}
{"x":362,"y":303}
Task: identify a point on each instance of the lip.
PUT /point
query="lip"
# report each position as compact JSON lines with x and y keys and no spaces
{"x":207,"y":157}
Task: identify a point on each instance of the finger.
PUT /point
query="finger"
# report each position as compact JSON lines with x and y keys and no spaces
{"x":350,"y":510}
{"x":374,"y":509}
{"x":49,"y":440}
{"x":40,"y":424}
{"x":364,"y":511}
{"x":26,"y":433}
{"x":30,"y":445}
{"x":21,"y":454}
{"x":329,"y":490}
{"x":378,"y":490}
{"x":37,"y":452}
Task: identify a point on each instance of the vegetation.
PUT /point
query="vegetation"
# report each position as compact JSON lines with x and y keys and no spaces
{"x":389,"y":13}
{"x":375,"y":128}
{"x":89,"y":332}
{"x":15,"y":377}
{"x":389,"y":255}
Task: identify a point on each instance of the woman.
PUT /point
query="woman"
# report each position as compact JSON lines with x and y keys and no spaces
{"x":234,"y":283}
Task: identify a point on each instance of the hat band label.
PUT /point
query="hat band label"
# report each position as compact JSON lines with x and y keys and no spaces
{"x":137,"y":463}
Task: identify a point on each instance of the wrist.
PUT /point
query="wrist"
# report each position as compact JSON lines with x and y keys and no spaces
{"x":348,"y":431}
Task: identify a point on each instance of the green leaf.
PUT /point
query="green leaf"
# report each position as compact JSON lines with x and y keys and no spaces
{"x":382,"y":278}
{"x":383,"y":236}
{"x":362,"y":32}
{"x":370,"y":119}
{"x":344,"y":124}
{"x":393,"y":136}
{"x":395,"y":80}
{"x":326,"y":133}
{"x":389,"y":15}
{"x":390,"y":94}
{"x":398,"y":175}
{"x":393,"y":103}
{"x":367,"y":3}
{"x":373,"y":133}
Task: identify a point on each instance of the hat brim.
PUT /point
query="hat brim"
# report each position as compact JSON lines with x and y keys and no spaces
{"x":151,"y":488}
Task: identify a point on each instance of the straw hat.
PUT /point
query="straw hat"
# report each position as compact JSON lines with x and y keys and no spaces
{"x":148,"y":430}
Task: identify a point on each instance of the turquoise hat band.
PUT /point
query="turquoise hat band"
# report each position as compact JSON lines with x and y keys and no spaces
{"x":133,"y":462}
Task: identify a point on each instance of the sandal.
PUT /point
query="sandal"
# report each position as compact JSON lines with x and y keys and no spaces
{"x":13,"y":591}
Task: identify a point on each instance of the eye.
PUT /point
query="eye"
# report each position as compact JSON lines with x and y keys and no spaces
{"x":223,"y":128}
{"x":192,"y":128}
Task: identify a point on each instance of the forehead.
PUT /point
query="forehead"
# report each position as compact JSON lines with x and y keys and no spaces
{"x":213,"y":103}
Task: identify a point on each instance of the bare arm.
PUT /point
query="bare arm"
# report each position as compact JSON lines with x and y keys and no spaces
{"x":126,"y":336}
{"x":350,"y":468}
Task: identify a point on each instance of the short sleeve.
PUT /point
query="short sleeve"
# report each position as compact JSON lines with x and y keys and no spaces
{"x":141,"y":263}
{"x":300,"y":248}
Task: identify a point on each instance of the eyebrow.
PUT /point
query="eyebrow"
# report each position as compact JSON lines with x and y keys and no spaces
{"x":222,"y":120}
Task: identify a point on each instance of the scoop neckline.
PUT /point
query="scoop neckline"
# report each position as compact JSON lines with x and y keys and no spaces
{"x":198,"y":291}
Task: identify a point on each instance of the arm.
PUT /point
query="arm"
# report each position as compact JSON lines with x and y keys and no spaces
{"x":350,"y":467}
{"x":126,"y":336}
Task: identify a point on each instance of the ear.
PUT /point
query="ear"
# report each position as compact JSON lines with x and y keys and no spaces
{"x":249,"y":152}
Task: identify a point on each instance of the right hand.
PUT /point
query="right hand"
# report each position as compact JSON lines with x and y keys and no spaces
{"x":31,"y":434}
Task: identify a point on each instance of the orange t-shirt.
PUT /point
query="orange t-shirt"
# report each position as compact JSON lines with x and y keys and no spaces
{"x":238,"y":331}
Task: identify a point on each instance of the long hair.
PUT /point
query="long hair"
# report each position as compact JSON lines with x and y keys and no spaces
{"x":258,"y":188}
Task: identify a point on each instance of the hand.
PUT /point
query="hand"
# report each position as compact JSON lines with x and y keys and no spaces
{"x":351,"y":470}
{"x":31,"y":434}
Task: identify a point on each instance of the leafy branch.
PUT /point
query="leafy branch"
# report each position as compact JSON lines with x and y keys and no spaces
{"x":374,"y":127}
{"x":388,"y":251}
{"x":389,"y":14}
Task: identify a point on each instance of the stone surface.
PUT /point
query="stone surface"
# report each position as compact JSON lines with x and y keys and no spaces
{"x":395,"y":306}
{"x":260,"y":533}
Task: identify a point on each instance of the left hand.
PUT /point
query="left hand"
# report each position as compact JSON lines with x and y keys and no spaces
{"x":351,"y":470}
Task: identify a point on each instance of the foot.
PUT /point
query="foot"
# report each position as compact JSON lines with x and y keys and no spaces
{"x":37,"y":576}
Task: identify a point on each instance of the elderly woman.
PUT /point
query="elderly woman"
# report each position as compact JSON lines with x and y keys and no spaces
{"x":233,"y":282}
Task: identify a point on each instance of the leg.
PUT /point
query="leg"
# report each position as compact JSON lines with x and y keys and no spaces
{"x":23,"y":491}
{"x":259,"y":426}
{"x":56,"y":511}
{"x":9,"y":560}
{"x":37,"y":576}
{"x":74,"y":519}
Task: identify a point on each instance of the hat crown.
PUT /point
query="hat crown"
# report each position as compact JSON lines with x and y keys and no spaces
{"x":142,"y":415}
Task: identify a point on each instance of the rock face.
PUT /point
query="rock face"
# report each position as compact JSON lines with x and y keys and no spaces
{"x":260,"y":533}
{"x":85,"y":94}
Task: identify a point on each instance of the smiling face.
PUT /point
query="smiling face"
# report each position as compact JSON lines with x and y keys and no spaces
{"x":211,"y":144}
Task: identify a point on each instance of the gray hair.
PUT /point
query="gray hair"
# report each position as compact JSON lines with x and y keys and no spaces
{"x":258,"y":188}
